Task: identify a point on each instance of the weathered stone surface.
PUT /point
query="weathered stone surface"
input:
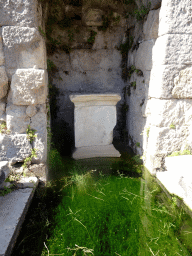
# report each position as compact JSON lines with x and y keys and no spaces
{"x":27,"y":182}
{"x":143,"y":58}
{"x":31,"y":110}
{"x":179,"y":172}
{"x":167,"y":140}
{"x":4,"y":171}
{"x":86,"y":60}
{"x":3,"y":82}
{"x":163,"y":141}
{"x":29,"y":87}
{"x":163,"y":113}
{"x":96,"y":151}
{"x":39,"y":123}
{"x":2,"y":58}
{"x":16,"y":119}
{"x":136,"y":121}
{"x":155,"y":4}
{"x":41,"y":108}
{"x":151,"y":25}
{"x":95,"y":119}
{"x":92,"y":17}
{"x":183,"y":84}
{"x":2,"y":108}
{"x":12,"y":214}
{"x":175,"y":17}
{"x":19,"y":13}
{"x":90,"y":81}
{"x":162,"y":80}
{"x":173,"y":49}
{"x":14,"y":148}
{"x":23,"y":48}
{"x":111,"y":39}
{"x":39,"y":170}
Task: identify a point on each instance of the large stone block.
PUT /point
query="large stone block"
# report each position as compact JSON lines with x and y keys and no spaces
{"x":175,"y":17}
{"x":39,"y":123}
{"x":3,"y":82}
{"x":92,"y":17}
{"x":90,"y":81}
{"x":163,"y":113}
{"x":24,"y":48}
{"x":86,"y":60}
{"x":16,"y":119}
{"x":19,"y":13}
{"x":143,"y":58}
{"x":173,"y":49}
{"x":29,"y":87}
{"x":111,"y":39}
{"x":183,"y":84}
{"x":14,"y":148}
{"x":162,"y":80}
{"x":166,"y":140}
{"x":31,"y":110}
{"x":151,"y":25}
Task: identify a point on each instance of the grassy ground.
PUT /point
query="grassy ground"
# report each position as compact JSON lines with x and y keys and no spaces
{"x":111,"y":211}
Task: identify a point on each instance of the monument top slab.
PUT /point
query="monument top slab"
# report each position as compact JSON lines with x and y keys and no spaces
{"x":95,"y":99}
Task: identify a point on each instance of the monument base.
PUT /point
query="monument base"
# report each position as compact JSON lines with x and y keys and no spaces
{"x":96,"y":151}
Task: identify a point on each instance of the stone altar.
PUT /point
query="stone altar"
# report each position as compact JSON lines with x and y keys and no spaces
{"x":95,"y":119}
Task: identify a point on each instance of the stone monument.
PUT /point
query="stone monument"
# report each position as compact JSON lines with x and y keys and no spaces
{"x":95,"y":119}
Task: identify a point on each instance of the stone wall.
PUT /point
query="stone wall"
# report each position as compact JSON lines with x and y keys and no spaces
{"x":23,"y":82}
{"x":93,"y":64}
{"x":160,"y":108}
{"x":85,"y":47}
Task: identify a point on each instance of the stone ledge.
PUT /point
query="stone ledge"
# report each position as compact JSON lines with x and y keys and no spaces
{"x":95,"y":100}
{"x":96,"y":151}
{"x":14,"y":207}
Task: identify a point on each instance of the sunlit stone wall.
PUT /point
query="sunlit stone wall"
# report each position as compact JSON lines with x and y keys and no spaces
{"x":23,"y":82}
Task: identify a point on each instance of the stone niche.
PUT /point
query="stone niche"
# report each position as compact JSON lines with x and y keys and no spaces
{"x":95,"y":119}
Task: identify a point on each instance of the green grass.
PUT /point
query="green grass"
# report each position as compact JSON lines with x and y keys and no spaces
{"x":114,"y":215}
{"x":113,"y":210}
{"x":98,"y":215}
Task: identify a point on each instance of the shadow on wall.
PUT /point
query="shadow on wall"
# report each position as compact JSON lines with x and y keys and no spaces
{"x":63,"y":137}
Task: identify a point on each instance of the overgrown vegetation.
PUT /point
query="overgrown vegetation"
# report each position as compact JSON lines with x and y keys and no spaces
{"x":142,"y":12}
{"x":3,"y":128}
{"x":30,"y":136}
{"x":84,"y":212}
{"x":91,"y":39}
{"x":181,"y":153}
{"x":6,"y":190}
{"x":172,"y":126}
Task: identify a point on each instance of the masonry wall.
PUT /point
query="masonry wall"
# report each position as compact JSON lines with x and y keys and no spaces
{"x":161,"y":120}
{"x":92,"y":65}
{"x":23,"y":81}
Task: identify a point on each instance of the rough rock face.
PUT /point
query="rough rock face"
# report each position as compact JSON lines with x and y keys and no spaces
{"x":23,"y":78}
{"x":3,"y":82}
{"x":168,"y":108}
{"x":28,"y":87}
{"x":141,"y":59}
{"x":19,"y":13}
{"x":14,"y":148}
{"x":4,"y":171}
{"x":23,"y":48}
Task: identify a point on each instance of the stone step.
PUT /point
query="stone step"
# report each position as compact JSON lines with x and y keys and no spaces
{"x":13,"y":208}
